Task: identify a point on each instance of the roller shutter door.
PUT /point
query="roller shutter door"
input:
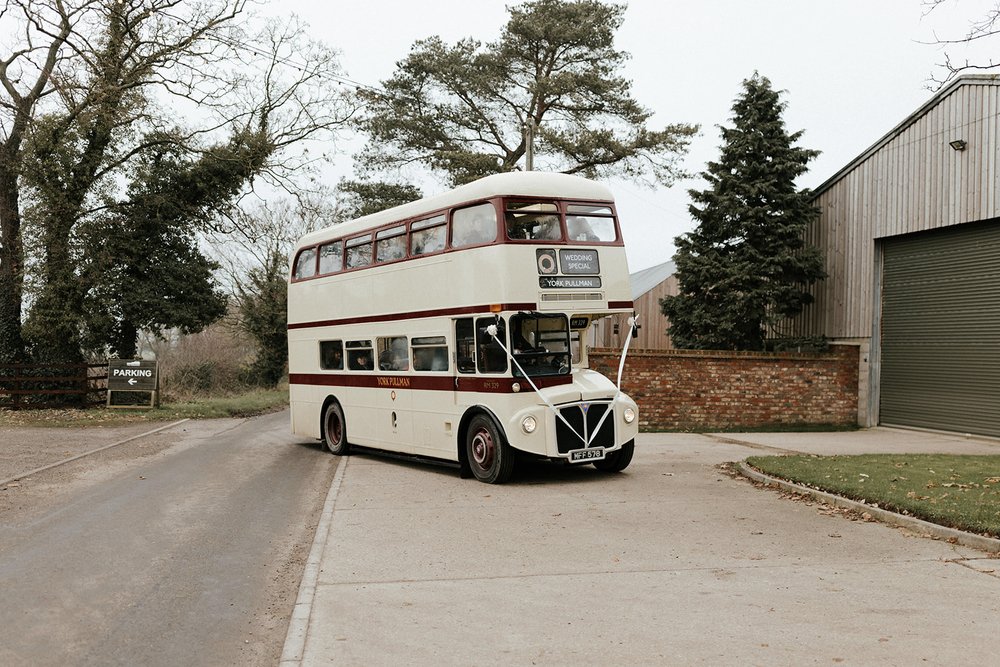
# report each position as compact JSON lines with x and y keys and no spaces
{"x":941,"y":330}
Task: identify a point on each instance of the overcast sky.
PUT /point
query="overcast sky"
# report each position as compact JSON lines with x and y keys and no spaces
{"x":851,"y":69}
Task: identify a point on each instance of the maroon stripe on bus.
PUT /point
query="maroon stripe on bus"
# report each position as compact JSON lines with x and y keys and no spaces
{"x":416,"y":314}
{"x":499,"y":385}
{"x":621,"y":304}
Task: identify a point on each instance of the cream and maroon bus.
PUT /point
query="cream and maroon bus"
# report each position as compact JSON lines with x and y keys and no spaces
{"x":454,"y":327}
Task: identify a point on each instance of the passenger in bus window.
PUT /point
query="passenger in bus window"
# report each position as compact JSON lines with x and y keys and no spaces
{"x":430,"y":240}
{"x":360,"y":361}
{"x":436,"y":240}
{"x":474,"y":225}
{"x":579,"y":229}
{"x":547,"y":228}
{"x":400,"y":355}
{"x":332,"y":355}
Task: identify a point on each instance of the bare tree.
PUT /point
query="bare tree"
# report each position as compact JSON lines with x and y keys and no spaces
{"x":26,"y":73}
{"x":255,"y":264}
{"x":121,"y":78}
{"x":982,"y":29}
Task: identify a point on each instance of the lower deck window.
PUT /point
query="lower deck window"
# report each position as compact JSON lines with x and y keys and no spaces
{"x":331,"y":355}
{"x":393,"y":354}
{"x":430,"y":353}
{"x":359,"y":355}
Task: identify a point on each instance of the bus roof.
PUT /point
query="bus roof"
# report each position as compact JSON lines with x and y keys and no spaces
{"x":515,"y":184}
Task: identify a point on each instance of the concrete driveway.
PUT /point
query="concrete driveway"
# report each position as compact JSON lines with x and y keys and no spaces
{"x":672,"y":562}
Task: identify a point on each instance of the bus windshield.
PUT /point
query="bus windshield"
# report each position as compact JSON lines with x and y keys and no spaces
{"x":540,"y":344}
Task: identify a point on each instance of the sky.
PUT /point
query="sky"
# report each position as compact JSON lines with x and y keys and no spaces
{"x":851,"y":71}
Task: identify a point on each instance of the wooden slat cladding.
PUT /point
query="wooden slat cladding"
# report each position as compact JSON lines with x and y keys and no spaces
{"x":910,"y":181}
{"x":652,"y":322}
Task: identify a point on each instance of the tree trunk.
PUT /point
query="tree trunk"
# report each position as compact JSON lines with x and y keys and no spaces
{"x":11,"y":263}
{"x":124,"y":344}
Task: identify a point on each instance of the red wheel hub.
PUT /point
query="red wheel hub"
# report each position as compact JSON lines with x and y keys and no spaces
{"x":482,"y":449}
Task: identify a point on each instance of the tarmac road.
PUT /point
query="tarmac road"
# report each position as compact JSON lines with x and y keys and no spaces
{"x":188,"y":550}
{"x":182,"y":548}
{"x":672,"y":562}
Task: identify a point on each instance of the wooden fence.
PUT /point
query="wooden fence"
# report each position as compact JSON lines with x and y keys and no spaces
{"x":24,"y":386}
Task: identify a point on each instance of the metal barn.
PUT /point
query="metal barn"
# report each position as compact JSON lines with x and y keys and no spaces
{"x":911,"y":234}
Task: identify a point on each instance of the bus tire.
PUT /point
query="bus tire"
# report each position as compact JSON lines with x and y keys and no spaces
{"x":617,"y":461}
{"x":489,"y":456}
{"x":335,"y":429}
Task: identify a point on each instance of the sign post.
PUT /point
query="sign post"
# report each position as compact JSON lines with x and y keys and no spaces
{"x":126,"y":375}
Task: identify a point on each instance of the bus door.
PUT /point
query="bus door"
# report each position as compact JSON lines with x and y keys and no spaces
{"x":477,"y":354}
{"x":394,"y":418}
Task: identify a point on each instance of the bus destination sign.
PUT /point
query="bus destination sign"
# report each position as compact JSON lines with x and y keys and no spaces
{"x":579,"y":262}
{"x":567,"y":282}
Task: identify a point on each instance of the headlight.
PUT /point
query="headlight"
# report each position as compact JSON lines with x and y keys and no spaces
{"x":528,"y":424}
{"x":629,"y":415}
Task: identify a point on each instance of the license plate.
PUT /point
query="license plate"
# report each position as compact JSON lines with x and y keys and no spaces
{"x":586,"y":455}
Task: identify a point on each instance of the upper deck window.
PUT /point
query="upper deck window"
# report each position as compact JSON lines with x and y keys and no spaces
{"x":474,"y":225}
{"x":590,"y":223}
{"x":531,"y":221}
{"x":390,"y":244}
{"x":359,"y":251}
{"x":331,"y":257}
{"x":305,"y":265}
{"x":427,"y":236}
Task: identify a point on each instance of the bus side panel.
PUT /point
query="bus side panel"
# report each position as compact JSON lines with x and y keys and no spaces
{"x":305,"y":411}
{"x":303,"y":356}
{"x":435,"y":424}
{"x":361,"y":414}
{"x":394,"y":421}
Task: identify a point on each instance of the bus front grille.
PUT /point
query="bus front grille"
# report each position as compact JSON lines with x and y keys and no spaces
{"x":582,"y":419}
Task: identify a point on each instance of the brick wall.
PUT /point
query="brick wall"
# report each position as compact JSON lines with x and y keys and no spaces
{"x":696,"y":390}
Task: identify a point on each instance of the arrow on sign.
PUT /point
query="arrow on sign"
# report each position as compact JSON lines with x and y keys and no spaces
{"x":132,"y":381}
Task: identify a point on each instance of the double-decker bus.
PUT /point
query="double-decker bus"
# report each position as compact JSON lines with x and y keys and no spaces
{"x":454,"y":327}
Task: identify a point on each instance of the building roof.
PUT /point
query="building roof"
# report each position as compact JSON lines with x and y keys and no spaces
{"x":647,"y":279}
{"x":965,"y":80}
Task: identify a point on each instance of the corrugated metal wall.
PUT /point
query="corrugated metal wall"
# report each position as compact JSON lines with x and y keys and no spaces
{"x":941,"y":330}
{"x":910,"y":181}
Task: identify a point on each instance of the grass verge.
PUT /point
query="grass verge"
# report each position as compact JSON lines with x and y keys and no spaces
{"x":958,"y":491}
{"x":247,"y":404}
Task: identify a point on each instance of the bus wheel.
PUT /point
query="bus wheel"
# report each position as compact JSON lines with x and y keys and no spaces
{"x":490,"y":457}
{"x":617,"y":461}
{"x":335,"y":429}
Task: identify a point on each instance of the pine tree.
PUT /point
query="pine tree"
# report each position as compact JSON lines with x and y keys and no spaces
{"x":552,"y":80}
{"x":746,"y":267}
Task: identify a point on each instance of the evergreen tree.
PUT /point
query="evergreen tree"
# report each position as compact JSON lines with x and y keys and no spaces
{"x":262,"y":297}
{"x":142,"y":268}
{"x":746,"y":267}
{"x":360,"y":198}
